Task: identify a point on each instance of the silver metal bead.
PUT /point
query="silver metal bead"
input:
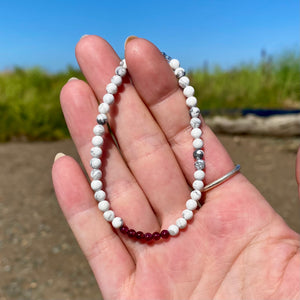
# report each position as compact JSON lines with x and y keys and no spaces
{"x":198,"y":154}
{"x":194,"y":112}
{"x":199,"y":164}
{"x":102,"y":119}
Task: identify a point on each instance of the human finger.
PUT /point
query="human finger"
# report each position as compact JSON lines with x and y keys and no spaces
{"x":104,"y":250}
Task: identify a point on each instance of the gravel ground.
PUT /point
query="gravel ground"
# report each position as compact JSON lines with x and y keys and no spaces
{"x":39,"y":257}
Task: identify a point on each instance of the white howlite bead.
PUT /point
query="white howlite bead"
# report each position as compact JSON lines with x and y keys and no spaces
{"x":199,"y":175}
{"x":96,"y":152}
{"x":97,"y":140}
{"x":181,"y":223}
{"x":195,"y":122}
{"x":117,"y":222}
{"x":184,"y":81}
{"x":117,"y":80}
{"x":121,"y":71}
{"x":196,"y":195}
{"x":99,"y":129}
{"x":103,"y":108}
{"x":191,"y":101}
{"x":191,"y":204}
{"x":174,"y":63}
{"x":104,"y":205}
{"x":198,"y":185}
{"x":96,"y":174}
{"x":95,"y":163}
{"x":187,"y":214}
{"x":96,"y":185}
{"x":108,"y":98}
{"x":197,"y":143}
{"x":173,"y":229}
{"x":100,"y":195}
{"x":109,"y":215}
{"x":111,"y":88}
{"x":188,"y":91}
{"x":196,"y":133}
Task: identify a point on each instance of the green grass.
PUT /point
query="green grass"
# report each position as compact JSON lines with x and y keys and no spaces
{"x":29,"y":99}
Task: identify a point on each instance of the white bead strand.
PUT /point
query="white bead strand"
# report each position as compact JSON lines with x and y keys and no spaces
{"x":197,"y":143}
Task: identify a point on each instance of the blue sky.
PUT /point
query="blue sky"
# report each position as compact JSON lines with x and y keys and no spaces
{"x":227,"y":32}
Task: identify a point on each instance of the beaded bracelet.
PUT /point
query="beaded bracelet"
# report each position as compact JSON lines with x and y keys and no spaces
{"x":96,"y":152}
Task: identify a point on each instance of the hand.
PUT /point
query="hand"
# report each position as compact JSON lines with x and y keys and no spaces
{"x":236,"y":247}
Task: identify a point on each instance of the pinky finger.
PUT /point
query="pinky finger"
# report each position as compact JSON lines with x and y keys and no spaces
{"x":108,"y":257}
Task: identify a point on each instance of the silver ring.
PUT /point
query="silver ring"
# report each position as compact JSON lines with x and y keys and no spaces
{"x":222,"y":179}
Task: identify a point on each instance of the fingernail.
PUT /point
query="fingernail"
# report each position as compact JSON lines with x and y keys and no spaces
{"x":58,"y":155}
{"x":73,"y":78}
{"x":130,"y":38}
{"x":85,"y":35}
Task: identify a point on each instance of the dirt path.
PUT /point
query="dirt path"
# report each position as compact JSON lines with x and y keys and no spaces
{"x":40,"y":259}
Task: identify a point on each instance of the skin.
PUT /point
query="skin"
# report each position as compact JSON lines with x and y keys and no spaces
{"x":236,"y":246}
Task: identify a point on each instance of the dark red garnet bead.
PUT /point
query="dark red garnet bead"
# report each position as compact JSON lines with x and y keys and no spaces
{"x":131,"y":233}
{"x":164,"y":234}
{"x":124,"y":229}
{"x":148,"y":236}
{"x":140,"y":235}
{"x":156,"y":236}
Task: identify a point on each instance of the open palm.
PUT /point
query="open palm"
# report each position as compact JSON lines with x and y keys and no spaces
{"x":236,"y":247}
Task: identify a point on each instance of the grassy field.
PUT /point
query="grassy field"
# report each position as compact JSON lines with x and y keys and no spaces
{"x":29,"y":99}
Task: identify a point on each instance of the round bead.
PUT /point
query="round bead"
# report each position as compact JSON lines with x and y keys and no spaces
{"x":96,"y":185}
{"x":174,"y":63}
{"x":109,"y":215}
{"x":188,"y":91}
{"x":198,"y":154}
{"x":181,"y":223}
{"x":195,"y":195}
{"x":173,"y":230}
{"x":103,"y":205}
{"x":199,"y":164}
{"x":196,"y":133}
{"x":96,"y":152}
{"x":100,"y":195}
{"x":199,"y":175}
{"x":103,"y":108}
{"x":198,"y":185}
{"x":194,"y":112}
{"x":121,"y":71}
{"x":117,"y":222}
{"x":179,"y":72}
{"x":123,"y":63}
{"x":111,"y":88}
{"x":191,"y":101}
{"x":95,"y":163}
{"x":164,"y":234}
{"x":96,"y":174}
{"x":108,"y":98}
{"x":117,"y":80}
{"x":124,"y":229}
{"x":195,"y":122}
{"x":140,"y":235}
{"x":98,"y":130}
{"x":131,"y":233}
{"x":184,"y":81}
{"x":148,"y":236}
{"x":97,"y":140}
{"x":156,"y":235}
{"x":197,"y":143}
{"x":187,"y":214}
{"x":191,"y":204}
{"x":102,"y":119}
